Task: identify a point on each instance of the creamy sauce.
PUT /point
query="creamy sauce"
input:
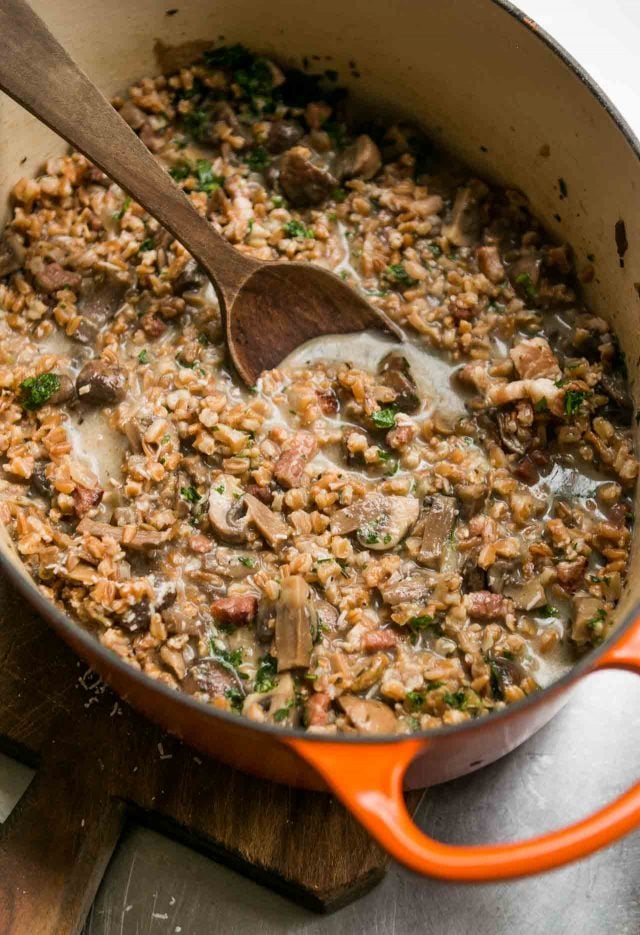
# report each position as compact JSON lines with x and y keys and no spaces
{"x":97,"y":445}
{"x":431,"y":371}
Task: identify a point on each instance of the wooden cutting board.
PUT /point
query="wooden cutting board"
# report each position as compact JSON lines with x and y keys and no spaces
{"x":99,"y":764}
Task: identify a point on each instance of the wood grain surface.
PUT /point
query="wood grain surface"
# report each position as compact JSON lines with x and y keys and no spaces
{"x":99,"y":764}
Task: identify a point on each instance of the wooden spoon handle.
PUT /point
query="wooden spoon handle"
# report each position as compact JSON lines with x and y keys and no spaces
{"x":37,"y":72}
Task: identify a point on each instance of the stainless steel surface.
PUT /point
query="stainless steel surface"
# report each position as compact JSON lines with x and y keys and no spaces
{"x":587,"y":755}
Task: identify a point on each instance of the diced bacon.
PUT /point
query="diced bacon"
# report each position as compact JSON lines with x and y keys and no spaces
{"x":484,"y":605}
{"x":289,"y":469}
{"x":236,"y":611}
{"x":534,"y":358}
{"x":378,"y":639}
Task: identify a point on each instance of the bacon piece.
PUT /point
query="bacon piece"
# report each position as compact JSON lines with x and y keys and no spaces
{"x":378,"y":639}
{"x":289,"y":469}
{"x":239,"y":610}
{"x":484,"y":605}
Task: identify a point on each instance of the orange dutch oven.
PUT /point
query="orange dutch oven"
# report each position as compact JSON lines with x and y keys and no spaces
{"x":488,"y":84}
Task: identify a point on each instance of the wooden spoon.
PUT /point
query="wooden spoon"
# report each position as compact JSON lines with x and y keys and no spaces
{"x":268,"y":309}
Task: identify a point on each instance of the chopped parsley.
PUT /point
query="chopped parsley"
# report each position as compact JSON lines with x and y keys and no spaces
{"x":384,"y":418}
{"x":118,"y":215}
{"x":181,"y":171}
{"x":548,"y":611}
{"x":258,"y":159}
{"x":339,"y":195}
{"x":228,"y":56}
{"x":415,"y":699}
{"x":282,"y":713}
{"x":597,"y":623}
{"x":36,"y":391}
{"x":143,"y":356}
{"x":195,"y":123}
{"x":228,"y":658}
{"x":436,"y":251}
{"x":397,"y":273}
{"x":247,"y":562}
{"x":456,"y":699}
{"x":235,"y":696}
{"x":297,"y":229}
{"x":266,"y":677}
{"x":147,"y":244}
{"x":541,"y":405}
{"x":524,"y":280}
{"x":207,"y":181}
{"x":573,"y":401}
{"x":190,"y":494}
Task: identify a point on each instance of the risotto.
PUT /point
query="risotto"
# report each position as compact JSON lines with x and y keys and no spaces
{"x":377,"y":537}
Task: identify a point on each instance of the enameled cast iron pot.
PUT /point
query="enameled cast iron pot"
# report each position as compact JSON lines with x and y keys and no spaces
{"x":485,"y":81}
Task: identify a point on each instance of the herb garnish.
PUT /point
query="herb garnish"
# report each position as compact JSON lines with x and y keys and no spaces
{"x":258,"y":159}
{"x":297,"y":229}
{"x":190,"y":494}
{"x":266,"y":678}
{"x":207,"y":181}
{"x":573,"y":401}
{"x":397,"y":273}
{"x":36,"y":391}
{"x":384,"y":418}
{"x":143,"y":356}
{"x":524,"y":280}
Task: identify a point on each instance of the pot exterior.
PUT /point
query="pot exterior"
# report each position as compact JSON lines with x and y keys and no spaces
{"x":480,"y":82}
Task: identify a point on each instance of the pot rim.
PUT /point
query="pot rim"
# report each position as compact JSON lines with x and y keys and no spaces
{"x":62,"y":622}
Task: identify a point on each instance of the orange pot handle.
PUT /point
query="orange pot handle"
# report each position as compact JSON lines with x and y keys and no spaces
{"x":369,"y":780}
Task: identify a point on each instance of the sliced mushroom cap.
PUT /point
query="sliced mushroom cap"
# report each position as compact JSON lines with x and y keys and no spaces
{"x":294,"y":616}
{"x":368,"y":716}
{"x":270,"y":525}
{"x":396,"y":374}
{"x":12,"y":253}
{"x":528,"y":595}
{"x":437,"y":519}
{"x":464,"y":225}
{"x":381,"y":521}
{"x":589,"y":615}
{"x":276,"y":706}
{"x":226,"y":509}
{"x":359,"y":160}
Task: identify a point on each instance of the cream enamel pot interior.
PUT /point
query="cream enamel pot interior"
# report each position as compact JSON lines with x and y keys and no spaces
{"x":485,"y":82}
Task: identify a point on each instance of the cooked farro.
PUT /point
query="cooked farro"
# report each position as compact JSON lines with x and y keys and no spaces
{"x":374,"y":538}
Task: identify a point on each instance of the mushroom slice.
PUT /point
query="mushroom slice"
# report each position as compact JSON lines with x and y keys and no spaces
{"x":437,"y":519}
{"x":294,"y":611}
{"x":277,"y":706}
{"x":368,"y":716}
{"x":396,"y":374}
{"x":381,"y":521}
{"x":226,"y":509}
{"x":527,"y":596}
{"x":271,"y":526}
{"x":142,"y":538}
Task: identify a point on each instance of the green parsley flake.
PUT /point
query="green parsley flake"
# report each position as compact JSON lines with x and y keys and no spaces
{"x":143,"y":356}
{"x":258,"y":159}
{"x":573,"y":401}
{"x":118,"y":215}
{"x":396,"y":273}
{"x":36,"y":391}
{"x":266,"y":675}
{"x":524,"y":280}
{"x":190,"y":494}
{"x":297,"y":229}
{"x":384,"y":418}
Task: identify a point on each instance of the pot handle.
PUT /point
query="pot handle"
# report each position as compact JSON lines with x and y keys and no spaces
{"x":369,"y":781}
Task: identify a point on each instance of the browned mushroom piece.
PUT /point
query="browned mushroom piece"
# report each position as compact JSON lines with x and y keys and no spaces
{"x":101,"y":383}
{"x":51,"y":277}
{"x":283,"y":134}
{"x":504,"y":673}
{"x":99,"y":299}
{"x":289,"y":470}
{"x":278,"y":705}
{"x":367,"y":715}
{"x":463,"y":227}
{"x":293,"y":624}
{"x":12,"y":253}
{"x":270,"y":525}
{"x":302,"y":181}
{"x":396,"y":374}
{"x":141,"y":539}
{"x":490,"y":263}
{"x":359,"y":160}
{"x":381,"y":521}
{"x":524,"y":274}
{"x":406,"y":589}
{"x":227,"y":513}
{"x":209,"y":677}
{"x":437,"y":521}
{"x":528,"y":595}
{"x":588,"y":620}
{"x":326,"y":617}
{"x":86,"y":499}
